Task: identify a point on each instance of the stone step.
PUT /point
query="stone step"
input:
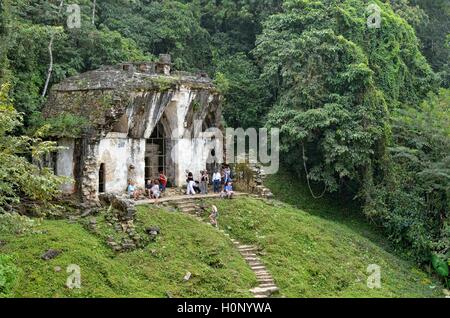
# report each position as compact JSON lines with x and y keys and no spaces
{"x":248,"y":255}
{"x":179,"y":205}
{"x":260,"y":291}
{"x":261,"y":296}
{"x":263,"y":274}
{"x":264,"y":278}
{"x":185,"y":203}
{"x":246,"y":246}
{"x":255,"y":263}
{"x":254,"y":268}
{"x":248,"y":250}
{"x":267,"y":285}
{"x":188,"y":210}
{"x":264,"y":290}
{"x":186,"y":200}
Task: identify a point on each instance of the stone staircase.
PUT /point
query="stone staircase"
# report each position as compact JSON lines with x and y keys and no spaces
{"x":188,"y":206}
{"x":266,"y":285}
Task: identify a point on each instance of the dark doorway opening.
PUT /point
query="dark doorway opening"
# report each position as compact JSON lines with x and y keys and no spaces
{"x":101,"y":178}
{"x":155,"y":154}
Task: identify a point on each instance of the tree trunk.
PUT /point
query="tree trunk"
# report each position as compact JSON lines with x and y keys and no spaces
{"x":50,"y":52}
{"x":93,"y":12}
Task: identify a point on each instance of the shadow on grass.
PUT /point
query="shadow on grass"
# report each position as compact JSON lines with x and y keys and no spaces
{"x":289,"y":188}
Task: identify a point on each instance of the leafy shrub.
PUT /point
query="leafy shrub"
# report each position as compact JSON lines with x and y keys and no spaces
{"x":365,"y":118}
{"x":18,"y":176}
{"x":8,"y":274}
{"x":66,"y":125}
{"x":14,"y":223}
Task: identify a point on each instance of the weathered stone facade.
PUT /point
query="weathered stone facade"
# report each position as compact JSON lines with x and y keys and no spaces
{"x":123,"y":105}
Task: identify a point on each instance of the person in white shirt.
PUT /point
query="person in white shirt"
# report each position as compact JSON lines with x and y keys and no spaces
{"x":190,"y":184}
{"x":216,"y":181}
{"x":155,"y":191}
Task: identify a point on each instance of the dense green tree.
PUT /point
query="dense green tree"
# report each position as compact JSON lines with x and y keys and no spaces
{"x":413,"y":202}
{"x":337,"y":82}
{"x":234,"y":24}
{"x":246,"y":101}
{"x":335,"y":79}
{"x":358,"y":106}
{"x":413,"y":14}
{"x":18,"y":177}
{"x":434,"y":35}
{"x":4,"y":41}
{"x":160,"y":27}
{"x":74,"y":50}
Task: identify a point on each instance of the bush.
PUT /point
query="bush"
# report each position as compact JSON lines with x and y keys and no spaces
{"x":18,"y":176}
{"x":8,"y":274}
{"x":13,"y":223}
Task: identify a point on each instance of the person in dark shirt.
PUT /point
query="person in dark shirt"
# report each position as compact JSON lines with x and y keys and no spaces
{"x":148,"y":188}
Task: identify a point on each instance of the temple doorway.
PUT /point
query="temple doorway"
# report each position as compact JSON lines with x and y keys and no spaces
{"x":101,"y":178}
{"x":156,"y":153}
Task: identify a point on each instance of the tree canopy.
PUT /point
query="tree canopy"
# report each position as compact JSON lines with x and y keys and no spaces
{"x":363,"y":109}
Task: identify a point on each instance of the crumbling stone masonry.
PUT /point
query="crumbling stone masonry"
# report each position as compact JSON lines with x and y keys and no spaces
{"x":141,"y":118}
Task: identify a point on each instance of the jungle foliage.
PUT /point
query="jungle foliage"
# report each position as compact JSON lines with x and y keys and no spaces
{"x":362,"y":111}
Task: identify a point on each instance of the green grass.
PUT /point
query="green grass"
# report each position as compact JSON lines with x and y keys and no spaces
{"x":309,"y":256}
{"x":313,"y":248}
{"x":184,"y":245}
{"x":343,"y":210}
{"x":323,"y":252}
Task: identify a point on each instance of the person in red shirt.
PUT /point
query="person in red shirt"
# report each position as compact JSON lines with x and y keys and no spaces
{"x":162,"y":181}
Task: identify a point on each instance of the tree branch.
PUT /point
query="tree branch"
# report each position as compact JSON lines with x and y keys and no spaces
{"x":50,"y":51}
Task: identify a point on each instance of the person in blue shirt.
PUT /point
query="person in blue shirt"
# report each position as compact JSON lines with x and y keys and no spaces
{"x":132,"y":191}
{"x":227,"y":191}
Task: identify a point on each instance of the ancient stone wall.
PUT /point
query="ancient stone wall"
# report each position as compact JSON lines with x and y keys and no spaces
{"x":123,"y":107}
{"x":250,"y":178}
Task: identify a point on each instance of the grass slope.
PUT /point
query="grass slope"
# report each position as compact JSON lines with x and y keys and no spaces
{"x":324,"y":252}
{"x":184,"y":245}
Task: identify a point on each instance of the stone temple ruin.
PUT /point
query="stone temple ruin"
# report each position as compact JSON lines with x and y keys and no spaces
{"x":136,"y":114}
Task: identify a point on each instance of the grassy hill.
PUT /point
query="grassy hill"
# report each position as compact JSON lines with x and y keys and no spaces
{"x":154,"y":271}
{"x":313,"y":248}
{"x":320,"y":248}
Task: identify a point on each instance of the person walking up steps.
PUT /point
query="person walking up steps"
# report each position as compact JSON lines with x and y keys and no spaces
{"x":213,"y":216}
